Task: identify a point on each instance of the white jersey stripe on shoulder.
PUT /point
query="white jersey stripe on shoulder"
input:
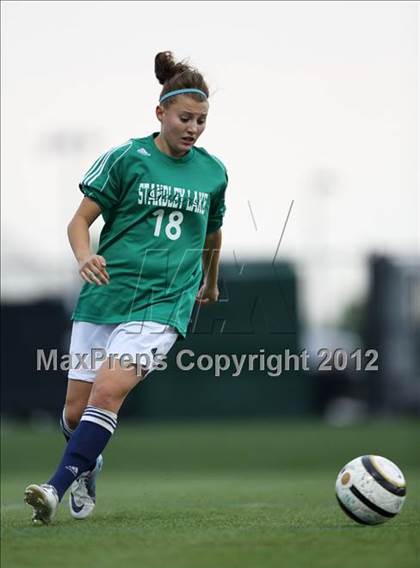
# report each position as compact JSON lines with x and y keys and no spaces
{"x":94,"y":172}
{"x":119,"y":158}
{"x":99,"y":169}
{"x":96,"y":166}
{"x":90,"y":170}
{"x":99,"y":172}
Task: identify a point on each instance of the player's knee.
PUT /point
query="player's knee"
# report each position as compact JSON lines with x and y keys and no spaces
{"x":73,"y":420}
{"x":73,"y":411}
{"x":106,"y":397}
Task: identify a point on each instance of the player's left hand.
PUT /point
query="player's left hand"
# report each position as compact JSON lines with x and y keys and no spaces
{"x":207,"y":294}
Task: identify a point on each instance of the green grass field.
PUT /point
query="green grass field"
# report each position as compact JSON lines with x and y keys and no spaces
{"x":252,"y":494}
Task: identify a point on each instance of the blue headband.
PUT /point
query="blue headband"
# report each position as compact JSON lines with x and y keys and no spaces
{"x":180,"y":92}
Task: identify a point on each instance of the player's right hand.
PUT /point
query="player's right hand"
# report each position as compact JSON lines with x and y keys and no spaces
{"x":93,"y":271}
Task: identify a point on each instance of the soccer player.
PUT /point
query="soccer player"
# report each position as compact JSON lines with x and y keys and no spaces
{"x":162,"y":200}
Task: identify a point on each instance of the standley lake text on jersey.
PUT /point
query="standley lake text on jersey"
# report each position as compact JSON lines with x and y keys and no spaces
{"x":175,"y":197}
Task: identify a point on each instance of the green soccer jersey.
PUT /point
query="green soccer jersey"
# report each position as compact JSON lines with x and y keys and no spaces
{"x":157,"y":212}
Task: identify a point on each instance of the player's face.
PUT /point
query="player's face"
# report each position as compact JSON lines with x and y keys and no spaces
{"x":183,"y":122}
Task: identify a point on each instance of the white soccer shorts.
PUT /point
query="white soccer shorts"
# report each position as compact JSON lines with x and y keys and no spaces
{"x":142,"y":342}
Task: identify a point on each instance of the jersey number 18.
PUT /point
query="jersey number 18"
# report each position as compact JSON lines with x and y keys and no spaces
{"x":173,"y":227}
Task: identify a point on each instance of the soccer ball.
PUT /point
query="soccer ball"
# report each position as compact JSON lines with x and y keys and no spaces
{"x":370,"y":490}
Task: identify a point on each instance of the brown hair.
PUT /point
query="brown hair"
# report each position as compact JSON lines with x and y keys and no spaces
{"x":179,"y":75}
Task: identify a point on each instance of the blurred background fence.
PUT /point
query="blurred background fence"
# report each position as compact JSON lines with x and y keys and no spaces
{"x":258,"y":314}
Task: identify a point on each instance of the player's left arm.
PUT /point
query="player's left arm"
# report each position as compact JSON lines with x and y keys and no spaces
{"x":209,"y":291}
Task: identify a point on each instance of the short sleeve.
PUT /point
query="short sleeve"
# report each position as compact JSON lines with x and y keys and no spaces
{"x":102,"y":182}
{"x":217,"y":206}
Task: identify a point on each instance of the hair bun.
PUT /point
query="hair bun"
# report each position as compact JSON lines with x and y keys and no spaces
{"x":166,"y":68}
{"x":178,"y":75}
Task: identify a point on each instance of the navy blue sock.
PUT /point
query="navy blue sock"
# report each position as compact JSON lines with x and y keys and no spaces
{"x":68,"y":432}
{"x":86,"y":443}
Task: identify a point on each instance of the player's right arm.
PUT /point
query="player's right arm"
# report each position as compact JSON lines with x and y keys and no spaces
{"x":91,"y":266}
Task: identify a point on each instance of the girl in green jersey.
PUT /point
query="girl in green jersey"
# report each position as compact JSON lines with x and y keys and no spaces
{"x":162,"y":200}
